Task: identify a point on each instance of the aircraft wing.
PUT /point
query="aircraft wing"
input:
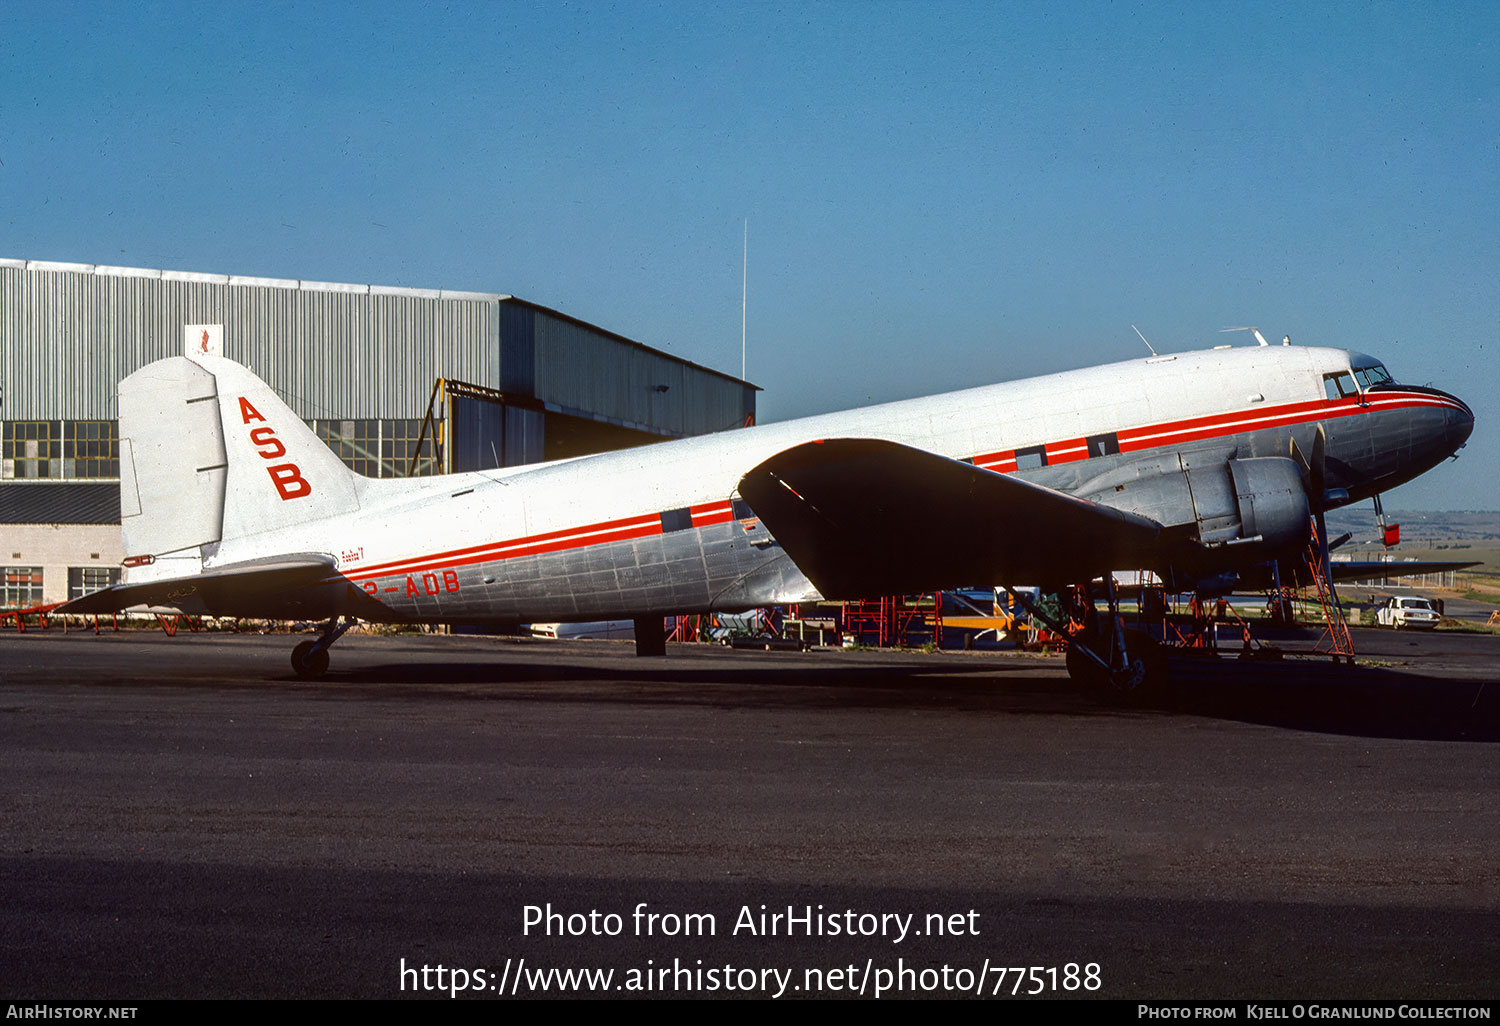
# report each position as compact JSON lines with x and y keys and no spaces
{"x":1375,"y":570}
{"x":1259,"y":578}
{"x":864,"y":517}
{"x":297,"y":582}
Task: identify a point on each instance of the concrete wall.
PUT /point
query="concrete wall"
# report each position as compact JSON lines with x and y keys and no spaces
{"x":56,"y":547}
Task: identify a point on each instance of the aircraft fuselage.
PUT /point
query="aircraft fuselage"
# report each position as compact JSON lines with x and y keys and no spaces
{"x":660,"y":528}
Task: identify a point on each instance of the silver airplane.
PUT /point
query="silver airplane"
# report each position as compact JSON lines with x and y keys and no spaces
{"x":1204,"y":467}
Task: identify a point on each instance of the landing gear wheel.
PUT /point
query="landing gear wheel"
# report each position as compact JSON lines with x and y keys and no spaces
{"x":1144,"y":677}
{"x":308,"y":661}
{"x":1083,"y":670}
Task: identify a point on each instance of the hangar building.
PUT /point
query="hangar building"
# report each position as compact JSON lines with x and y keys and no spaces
{"x":397,"y":381}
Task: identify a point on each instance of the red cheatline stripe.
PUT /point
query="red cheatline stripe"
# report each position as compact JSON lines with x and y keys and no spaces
{"x":1069,"y":450}
{"x":1280,"y":416}
{"x":712,"y":513}
{"x":1228,"y":423}
{"x":1318,"y":407}
{"x":551,"y":541}
{"x":1197,"y":428}
{"x":1417,"y":400}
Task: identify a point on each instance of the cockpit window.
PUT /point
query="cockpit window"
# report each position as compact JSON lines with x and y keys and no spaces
{"x":1339,"y":384}
{"x":1373,"y":375}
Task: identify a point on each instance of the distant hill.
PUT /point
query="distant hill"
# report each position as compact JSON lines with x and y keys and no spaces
{"x":1422,"y":528}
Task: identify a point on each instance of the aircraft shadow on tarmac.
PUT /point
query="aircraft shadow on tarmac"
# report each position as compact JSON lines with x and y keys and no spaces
{"x":1320,"y":696}
{"x":1302,"y":694}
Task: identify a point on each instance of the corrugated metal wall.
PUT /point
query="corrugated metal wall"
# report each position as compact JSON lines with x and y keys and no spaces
{"x":69,"y":333}
{"x":67,"y":337}
{"x":583,"y":370}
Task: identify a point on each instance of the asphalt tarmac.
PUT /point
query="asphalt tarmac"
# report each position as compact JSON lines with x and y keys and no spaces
{"x":184,"y":819}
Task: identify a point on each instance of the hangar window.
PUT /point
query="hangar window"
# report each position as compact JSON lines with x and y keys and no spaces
{"x":85,"y":580}
{"x":399,"y":441}
{"x":356,"y":442}
{"x":31,"y":450}
{"x":91,"y":448}
{"x":1032,"y":458}
{"x":50,"y":450}
{"x":377,"y":448}
{"x":21,"y":586}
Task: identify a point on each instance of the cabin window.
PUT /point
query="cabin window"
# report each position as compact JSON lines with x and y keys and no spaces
{"x":1339,"y":385}
{"x":676,"y":520}
{"x":1032,"y":458}
{"x":1103,"y":445}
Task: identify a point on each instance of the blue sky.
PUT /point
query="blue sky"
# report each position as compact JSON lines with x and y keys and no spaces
{"x":938,"y":194}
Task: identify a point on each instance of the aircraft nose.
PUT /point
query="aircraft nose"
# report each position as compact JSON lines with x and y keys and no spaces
{"x":1459,"y":421}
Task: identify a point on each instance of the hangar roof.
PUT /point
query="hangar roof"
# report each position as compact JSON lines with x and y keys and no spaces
{"x":346,"y":287}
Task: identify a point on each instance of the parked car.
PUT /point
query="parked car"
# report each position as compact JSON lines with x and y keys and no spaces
{"x":1407,"y":611}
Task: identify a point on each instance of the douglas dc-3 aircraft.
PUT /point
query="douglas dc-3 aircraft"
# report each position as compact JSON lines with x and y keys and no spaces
{"x":1190,"y":465}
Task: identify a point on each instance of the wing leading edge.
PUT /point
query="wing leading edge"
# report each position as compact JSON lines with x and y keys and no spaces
{"x":865,"y":517}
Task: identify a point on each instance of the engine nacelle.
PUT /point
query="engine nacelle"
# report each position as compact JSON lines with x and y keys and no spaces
{"x":1259,"y":502}
{"x":1272,"y":500}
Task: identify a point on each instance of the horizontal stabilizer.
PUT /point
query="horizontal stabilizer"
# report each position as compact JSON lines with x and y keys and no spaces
{"x":293,"y":576}
{"x":863,"y":517}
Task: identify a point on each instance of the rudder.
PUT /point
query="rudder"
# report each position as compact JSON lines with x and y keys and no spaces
{"x":279,"y":474}
{"x":172,"y":467}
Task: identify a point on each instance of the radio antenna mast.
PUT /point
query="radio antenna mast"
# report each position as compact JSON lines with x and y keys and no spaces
{"x":1143,"y":339}
{"x":744,"y":296}
{"x":1254,"y":331}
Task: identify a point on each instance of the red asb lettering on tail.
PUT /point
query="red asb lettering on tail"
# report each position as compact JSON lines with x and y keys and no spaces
{"x":286,"y":477}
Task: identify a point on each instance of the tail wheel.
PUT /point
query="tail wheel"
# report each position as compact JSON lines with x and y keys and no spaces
{"x":309,"y":662}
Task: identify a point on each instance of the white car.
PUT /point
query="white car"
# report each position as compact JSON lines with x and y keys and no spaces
{"x":1407,"y":611}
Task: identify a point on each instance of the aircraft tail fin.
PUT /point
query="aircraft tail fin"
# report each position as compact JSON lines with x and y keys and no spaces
{"x":280,"y":474}
{"x":210,"y":454}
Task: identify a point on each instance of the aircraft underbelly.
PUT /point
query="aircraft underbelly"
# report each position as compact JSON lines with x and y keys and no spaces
{"x":720,"y":566}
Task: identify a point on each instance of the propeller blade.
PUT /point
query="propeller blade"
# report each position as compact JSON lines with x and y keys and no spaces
{"x":1297,"y":456}
{"x":1317,"y":467}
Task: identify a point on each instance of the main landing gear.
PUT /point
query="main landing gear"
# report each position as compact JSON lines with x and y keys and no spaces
{"x":310,"y":659}
{"x":650,"y":637}
{"x":1123,"y":665}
